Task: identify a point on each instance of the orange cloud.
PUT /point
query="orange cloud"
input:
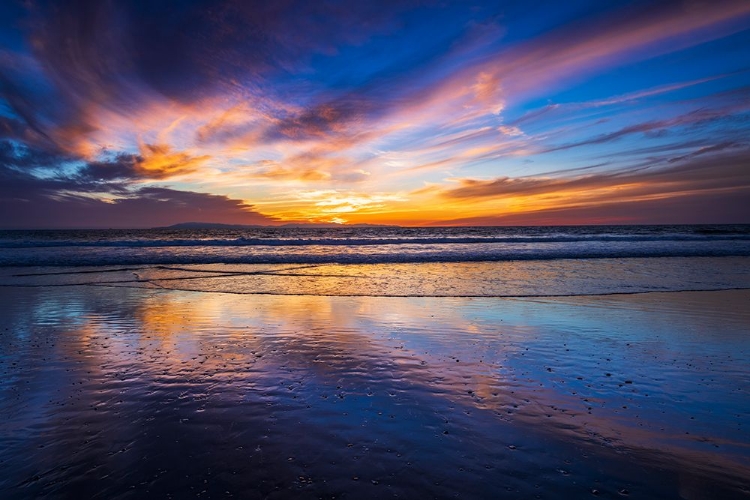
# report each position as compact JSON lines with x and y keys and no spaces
{"x":159,"y":161}
{"x":276,"y":171}
{"x":688,"y":174}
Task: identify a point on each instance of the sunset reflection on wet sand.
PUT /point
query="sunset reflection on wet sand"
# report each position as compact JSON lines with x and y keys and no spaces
{"x":134,"y":393}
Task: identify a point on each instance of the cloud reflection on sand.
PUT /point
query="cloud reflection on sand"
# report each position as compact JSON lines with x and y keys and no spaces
{"x":109,"y":387}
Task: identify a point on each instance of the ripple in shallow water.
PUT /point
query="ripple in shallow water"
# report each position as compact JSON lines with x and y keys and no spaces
{"x":122,"y":392}
{"x":443,"y":279}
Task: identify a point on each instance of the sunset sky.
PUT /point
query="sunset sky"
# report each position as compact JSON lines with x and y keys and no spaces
{"x":142,"y":114}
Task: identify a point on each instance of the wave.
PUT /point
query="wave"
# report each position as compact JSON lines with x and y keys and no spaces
{"x":151,"y":258}
{"x":293,"y":242}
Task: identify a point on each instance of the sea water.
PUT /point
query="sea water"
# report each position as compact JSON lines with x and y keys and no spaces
{"x":388,"y":261}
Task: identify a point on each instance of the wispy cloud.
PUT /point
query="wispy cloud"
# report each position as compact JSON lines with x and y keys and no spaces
{"x":260,"y":101}
{"x":693,"y":118}
{"x":689,"y":174}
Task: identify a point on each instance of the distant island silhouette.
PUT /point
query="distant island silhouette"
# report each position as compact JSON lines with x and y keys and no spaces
{"x":216,"y":225}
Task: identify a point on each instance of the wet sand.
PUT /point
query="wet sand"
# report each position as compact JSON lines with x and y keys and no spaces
{"x":119,"y":392}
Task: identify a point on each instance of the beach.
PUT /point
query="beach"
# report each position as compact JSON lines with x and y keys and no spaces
{"x":371,"y":250}
{"x":116,"y":386}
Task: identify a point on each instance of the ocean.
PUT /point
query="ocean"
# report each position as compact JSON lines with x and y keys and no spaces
{"x":388,"y":261}
{"x":368,"y":245}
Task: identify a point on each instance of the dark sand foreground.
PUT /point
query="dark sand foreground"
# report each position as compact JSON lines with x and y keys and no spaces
{"x":142,"y":393}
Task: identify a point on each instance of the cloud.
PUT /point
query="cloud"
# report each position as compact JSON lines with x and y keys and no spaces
{"x":155,"y":162}
{"x":715,"y":207}
{"x":120,"y":167}
{"x":547,"y":111}
{"x":103,"y":58}
{"x":21,"y":157}
{"x":630,"y":34}
{"x":94,"y":61}
{"x":693,"y":118}
{"x":182,"y":49}
{"x":310,"y":166}
{"x":36,"y":193}
{"x":694,"y":175}
{"x":569,"y":53}
{"x":26,"y":202}
{"x":510,"y":130}
{"x":705,"y":150}
{"x":159,"y":161}
{"x":488,"y":92}
{"x":30,"y":122}
{"x":121,"y":95}
{"x":322,"y":120}
{"x":270,"y":169}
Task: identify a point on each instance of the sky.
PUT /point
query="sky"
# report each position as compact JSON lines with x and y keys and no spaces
{"x":417,"y":113}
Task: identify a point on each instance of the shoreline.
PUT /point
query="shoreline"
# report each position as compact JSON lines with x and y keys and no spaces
{"x":562,"y":278}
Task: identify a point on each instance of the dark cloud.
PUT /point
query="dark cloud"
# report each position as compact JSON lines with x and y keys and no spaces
{"x":28,"y":178}
{"x":19,"y":156}
{"x":122,"y":166}
{"x":706,"y":150}
{"x":695,"y":173}
{"x":324,"y":119}
{"x":32,"y":121}
{"x":36,"y":193}
{"x":671,"y":148}
{"x":12,"y":129}
{"x":29,"y":202}
{"x":183,"y":49}
{"x":209,"y":39}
